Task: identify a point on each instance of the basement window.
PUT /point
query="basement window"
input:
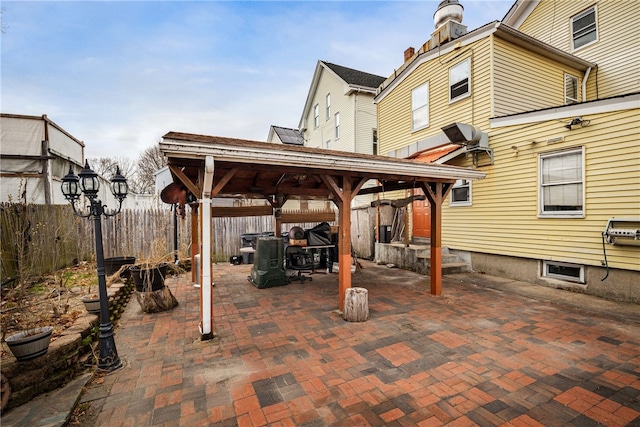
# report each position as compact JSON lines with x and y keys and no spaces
{"x":563,"y":271}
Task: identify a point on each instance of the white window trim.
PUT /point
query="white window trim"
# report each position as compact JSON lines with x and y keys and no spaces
{"x":423,"y":85}
{"x":557,"y":214}
{"x":316,"y":116}
{"x":328,"y":109}
{"x":374,"y":140}
{"x":462,"y":202}
{"x":572,"y":19}
{"x":337,"y":125}
{"x":466,"y":95}
{"x":567,"y":98}
{"x":545,"y":274}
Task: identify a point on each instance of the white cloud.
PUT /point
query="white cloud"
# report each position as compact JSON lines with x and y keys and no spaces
{"x":119,"y":75}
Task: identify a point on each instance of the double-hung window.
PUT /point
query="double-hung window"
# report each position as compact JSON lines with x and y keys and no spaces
{"x":584,"y":28}
{"x":420,"y":107}
{"x":562,"y":184}
{"x":459,"y":79}
{"x":570,"y":89}
{"x":461,"y":193}
{"x":316,"y":116}
{"x":375,"y":142}
{"x":328,"y":110}
{"x":337,"y":123}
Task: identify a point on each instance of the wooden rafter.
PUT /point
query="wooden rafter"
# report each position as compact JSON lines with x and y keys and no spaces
{"x":184,"y":179}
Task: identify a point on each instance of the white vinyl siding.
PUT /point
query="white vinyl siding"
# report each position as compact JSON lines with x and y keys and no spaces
{"x":584,"y":29}
{"x":570,"y":89}
{"x":420,"y":107}
{"x":562,"y":183}
{"x":460,"y":80}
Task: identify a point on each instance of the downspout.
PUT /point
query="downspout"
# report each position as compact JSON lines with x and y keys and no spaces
{"x":46,"y":170}
{"x":584,"y":84}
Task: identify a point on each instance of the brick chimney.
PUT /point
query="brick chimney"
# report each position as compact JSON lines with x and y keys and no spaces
{"x":408,"y":53}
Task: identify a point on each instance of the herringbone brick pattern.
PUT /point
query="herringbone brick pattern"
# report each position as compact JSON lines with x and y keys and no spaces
{"x":284,"y":357}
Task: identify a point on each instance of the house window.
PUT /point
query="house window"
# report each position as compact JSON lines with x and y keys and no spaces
{"x":570,"y":89}
{"x":328,"y":106}
{"x":563,"y":271}
{"x":328,"y":144}
{"x":375,"y":142}
{"x":337,"y":125}
{"x":459,"y":80}
{"x":420,"y":106}
{"x":461,"y":193}
{"x":584,"y":29}
{"x":316,"y":116}
{"x":561,"y":184}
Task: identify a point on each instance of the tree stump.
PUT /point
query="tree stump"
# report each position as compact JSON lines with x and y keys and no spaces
{"x":356,"y":305}
{"x":156,"y":301}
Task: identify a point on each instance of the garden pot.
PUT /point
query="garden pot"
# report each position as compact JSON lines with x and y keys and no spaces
{"x":30,"y":344}
{"x":148,"y":279}
{"x":92,"y":304}
{"x":112,"y":265}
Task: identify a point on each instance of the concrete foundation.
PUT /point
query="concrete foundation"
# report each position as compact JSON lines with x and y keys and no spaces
{"x":620,"y":285}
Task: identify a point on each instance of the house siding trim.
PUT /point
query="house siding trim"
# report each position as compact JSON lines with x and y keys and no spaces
{"x":620,"y":103}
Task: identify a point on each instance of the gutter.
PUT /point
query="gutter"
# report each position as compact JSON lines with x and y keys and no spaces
{"x":584,"y":84}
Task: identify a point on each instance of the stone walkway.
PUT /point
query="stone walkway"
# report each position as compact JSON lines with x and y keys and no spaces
{"x":284,"y":357}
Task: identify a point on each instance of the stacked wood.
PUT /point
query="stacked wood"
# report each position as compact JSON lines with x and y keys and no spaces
{"x":356,"y":305}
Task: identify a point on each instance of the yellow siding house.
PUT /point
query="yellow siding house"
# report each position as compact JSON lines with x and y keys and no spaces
{"x":547,"y":103}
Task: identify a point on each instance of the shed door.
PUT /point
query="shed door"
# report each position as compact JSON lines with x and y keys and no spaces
{"x":421,"y":217}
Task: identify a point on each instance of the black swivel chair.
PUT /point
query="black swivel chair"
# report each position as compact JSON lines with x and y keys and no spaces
{"x":299,"y":260}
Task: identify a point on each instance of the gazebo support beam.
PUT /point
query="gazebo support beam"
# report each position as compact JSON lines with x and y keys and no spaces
{"x":343,"y":201}
{"x":206,"y":291}
{"x":436,"y":192}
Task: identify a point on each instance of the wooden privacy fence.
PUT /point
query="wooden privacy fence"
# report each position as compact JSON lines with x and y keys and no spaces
{"x":39,"y":239}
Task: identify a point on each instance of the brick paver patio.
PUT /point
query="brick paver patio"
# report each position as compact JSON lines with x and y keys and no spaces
{"x":283,"y":356}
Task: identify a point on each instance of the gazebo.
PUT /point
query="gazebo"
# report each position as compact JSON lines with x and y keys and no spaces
{"x":209,"y":167}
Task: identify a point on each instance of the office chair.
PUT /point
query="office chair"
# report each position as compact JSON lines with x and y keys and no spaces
{"x":299,"y":260}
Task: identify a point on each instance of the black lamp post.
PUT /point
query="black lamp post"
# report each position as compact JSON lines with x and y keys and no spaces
{"x":88,"y":183}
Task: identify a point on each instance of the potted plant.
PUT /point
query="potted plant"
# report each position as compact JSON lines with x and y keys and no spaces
{"x":30,"y":343}
{"x":149,"y":276}
{"x":33,"y":339}
{"x":151,"y":293}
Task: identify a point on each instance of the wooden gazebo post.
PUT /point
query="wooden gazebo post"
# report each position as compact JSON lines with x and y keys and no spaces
{"x":436,"y":192}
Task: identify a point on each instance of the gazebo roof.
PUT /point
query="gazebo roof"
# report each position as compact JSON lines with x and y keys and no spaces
{"x":254,"y":169}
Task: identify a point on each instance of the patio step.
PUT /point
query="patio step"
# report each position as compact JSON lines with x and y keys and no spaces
{"x":417,"y":257}
{"x":455,"y":268}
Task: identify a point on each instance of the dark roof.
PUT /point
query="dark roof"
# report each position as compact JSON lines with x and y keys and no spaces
{"x":289,"y":136}
{"x":355,"y":77}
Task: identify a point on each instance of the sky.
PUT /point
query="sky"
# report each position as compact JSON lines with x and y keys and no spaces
{"x":119,"y":75}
